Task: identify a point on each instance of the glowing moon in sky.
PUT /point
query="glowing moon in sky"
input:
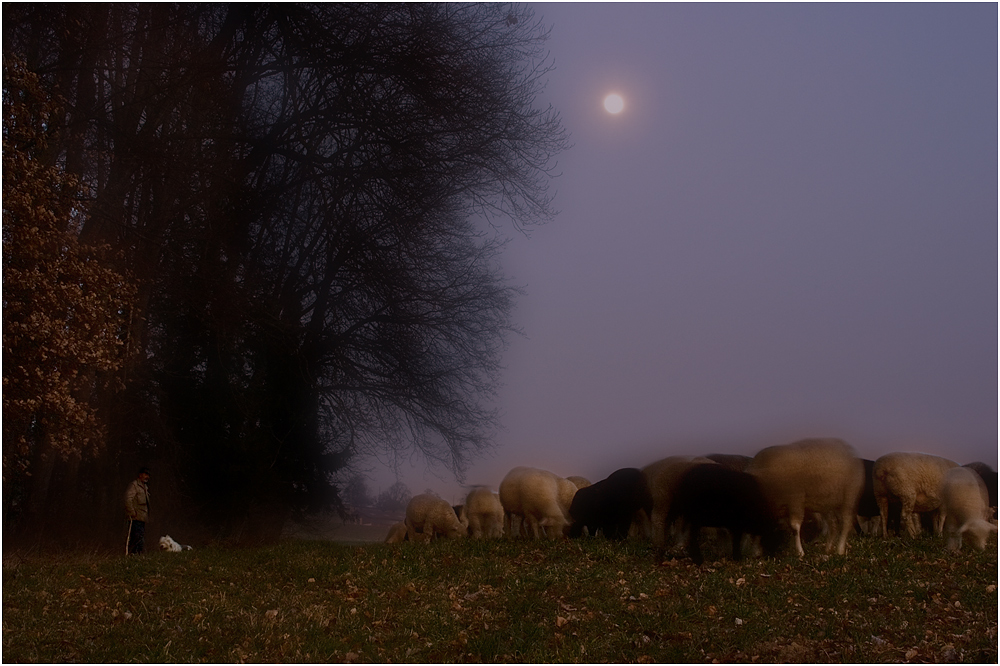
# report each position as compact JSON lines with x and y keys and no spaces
{"x":614,"y":103}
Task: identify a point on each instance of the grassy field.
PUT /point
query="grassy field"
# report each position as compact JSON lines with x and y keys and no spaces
{"x":508,"y":601}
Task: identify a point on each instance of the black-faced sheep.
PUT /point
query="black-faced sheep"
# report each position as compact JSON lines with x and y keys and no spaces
{"x":914,"y":480}
{"x":428,"y":515}
{"x":988,"y":476}
{"x":818,"y":476}
{"x":539,"y":498}
{"x":731,"y":460}
{"x":611,"y":504}
{"x":965,"y":503}
{"x":484,"y":513}
{"x":662,"y":478}
{"x":716,"y":496}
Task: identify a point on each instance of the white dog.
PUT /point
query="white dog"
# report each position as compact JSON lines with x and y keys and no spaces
{"x":171,"y":546}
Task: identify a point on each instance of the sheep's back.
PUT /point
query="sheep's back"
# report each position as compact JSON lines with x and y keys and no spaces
{"x":426,"y":510}
{"x":539,"y":490}
{"x":825,"y":473}
{"x":735,"y":462}
{"x":482,"y":500}
{"x":918,"y":475}
{"x":964,"y":495}
{"x":510,"y":490}
{"x":988,"y":476}
{"x":663,"y":475}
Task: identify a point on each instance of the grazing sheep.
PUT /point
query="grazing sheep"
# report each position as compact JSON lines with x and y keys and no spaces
{"x":483,"y":513}
{"x":397,"y":533}
{"x":566,"y":492}
{"x":662,"y":478}
{"x":966,"y":507}
{"x":914,"y":480}
{"x":870,"y":517}
{"x":510,"y":500}
{"x":716,"y":496}
{"x":731,"y":460}
{"x":611,"y":504}
{"x":459,"y":510}
{"x":818,"y":476}
{"x":578,"y":481}
{"x":428,"y":515}
{"x":988,"y":476}
{"x":539,"y":498}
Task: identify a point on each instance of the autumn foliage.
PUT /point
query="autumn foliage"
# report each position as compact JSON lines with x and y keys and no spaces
{"x":63,"y":304}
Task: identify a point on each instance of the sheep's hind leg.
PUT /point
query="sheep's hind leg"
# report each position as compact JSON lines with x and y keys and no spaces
{"x":939,"y":517}
{"x":737,"y":544}
{"x":694,"y":549}
{"x":795,"y":522}
{"x":846,"y":523}
{"x":883,"y":518}
{"x":909,"y":522}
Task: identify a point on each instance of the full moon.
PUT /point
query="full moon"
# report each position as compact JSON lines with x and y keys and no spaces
{"x":614,"y":103}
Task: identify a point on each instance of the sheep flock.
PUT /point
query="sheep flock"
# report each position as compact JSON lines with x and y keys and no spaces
{"x":812,"y":487}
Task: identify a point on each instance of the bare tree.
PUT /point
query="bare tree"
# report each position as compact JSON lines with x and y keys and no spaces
{"x":394,"y":499}
{"x":356,"y":492}
{"x":294,"y":188}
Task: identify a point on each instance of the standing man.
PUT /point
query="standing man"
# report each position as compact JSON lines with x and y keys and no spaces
{"x":137,"y":508}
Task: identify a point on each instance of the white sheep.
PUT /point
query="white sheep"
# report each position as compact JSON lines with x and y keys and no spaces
{"x":662,"y":478}
{"x":510,"y":500}
{"x":914,"y":480}
{"x":813,"y":476}
{"x":484,"y":513}
{"x":537,"y":497}
{"x":566,"y":493}
{"x":578,"y":481}
{"x":397,"y":533}
{"x":428,"y":515}
{"x":966,"y":505}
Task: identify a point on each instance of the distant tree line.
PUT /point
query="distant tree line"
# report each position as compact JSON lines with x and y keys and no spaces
{"x":239,"y":247}
{"x":357,"y":495}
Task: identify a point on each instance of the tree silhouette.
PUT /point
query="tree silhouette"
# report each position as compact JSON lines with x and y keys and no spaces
{"x":293,"y":189}
{"x":64,"y":308}
{"x":394,"y":499}
{"x":357,"y":493}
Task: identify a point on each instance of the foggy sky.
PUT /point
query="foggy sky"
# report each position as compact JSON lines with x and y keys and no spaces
{"x":790,"y":231}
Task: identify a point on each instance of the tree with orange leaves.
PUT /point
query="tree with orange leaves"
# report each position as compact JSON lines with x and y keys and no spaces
{"x":64,"y":307}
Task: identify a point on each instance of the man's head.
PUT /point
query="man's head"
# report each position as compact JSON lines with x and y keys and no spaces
{"x":144,"y":474}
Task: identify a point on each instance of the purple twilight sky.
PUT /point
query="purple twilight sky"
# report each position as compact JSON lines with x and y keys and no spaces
{"x":790,"y":230}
